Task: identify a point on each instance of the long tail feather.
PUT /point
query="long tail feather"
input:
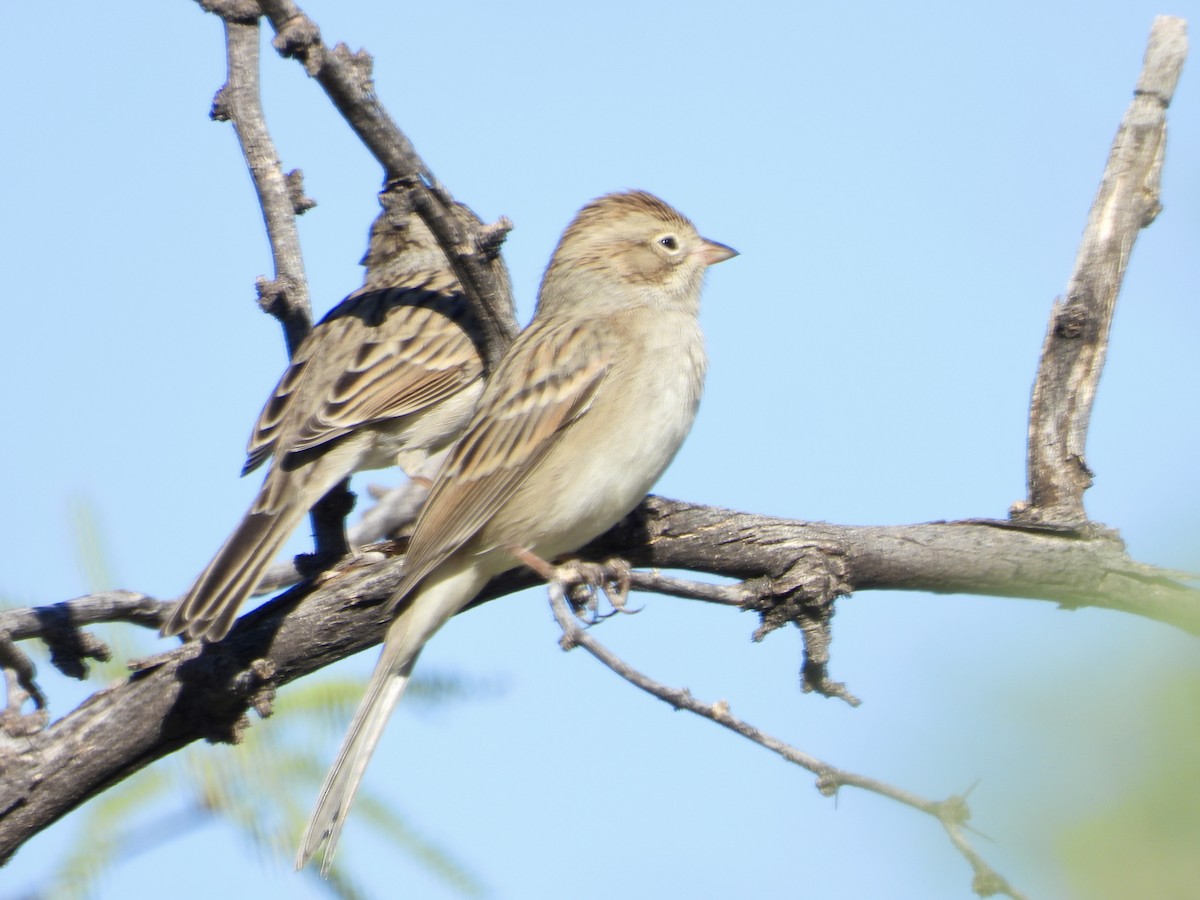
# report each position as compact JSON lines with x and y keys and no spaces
{"x":434,"y":603}
{"x":211,"y":606}
{"x":384,"y":691}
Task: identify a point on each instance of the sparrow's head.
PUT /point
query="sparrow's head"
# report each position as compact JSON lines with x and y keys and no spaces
{"x":625,"y":250}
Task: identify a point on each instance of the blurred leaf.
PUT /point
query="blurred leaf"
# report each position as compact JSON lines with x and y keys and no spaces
{"x":1145,"y":841}
{"x":91,"y":552}
{"x":92,"y":557}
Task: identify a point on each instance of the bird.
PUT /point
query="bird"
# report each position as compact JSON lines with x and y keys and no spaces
{"x":389,"y":375}
{"x":581,"y":416}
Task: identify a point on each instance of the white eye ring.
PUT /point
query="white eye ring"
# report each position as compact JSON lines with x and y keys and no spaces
{"x":670,"y":242}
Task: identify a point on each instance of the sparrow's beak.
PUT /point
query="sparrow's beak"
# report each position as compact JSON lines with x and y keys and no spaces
{"x":714,"y":253}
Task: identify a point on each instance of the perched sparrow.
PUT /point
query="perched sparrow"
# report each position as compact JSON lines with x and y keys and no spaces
{"x":581,"y":416}
{"x":389,"y":375}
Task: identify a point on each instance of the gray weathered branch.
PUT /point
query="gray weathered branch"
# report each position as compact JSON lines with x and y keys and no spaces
{"x":468,"y":247}
{"x":1077,"y":339}
{"x":281,"y":198}
{"x":279,"y":195}
{"x":204,"y":692}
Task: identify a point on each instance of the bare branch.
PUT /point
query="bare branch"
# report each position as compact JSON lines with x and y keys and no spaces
{"x":1077,"y":340}
{"x":723,"y":594}
{"x":232,"y":10}
{"x":107,"y":606}
{"x":952,"y":813}
{"x":18,"y":672}
{"x":397,"y":508}
{"x":59,"y":627}
{"x":281,"y":196}
{"x":972,"y":557}
{"x":203,"y":691}
{"x":470,"y":249}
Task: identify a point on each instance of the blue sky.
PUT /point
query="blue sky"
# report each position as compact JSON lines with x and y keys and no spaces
{"x":907,"y":188}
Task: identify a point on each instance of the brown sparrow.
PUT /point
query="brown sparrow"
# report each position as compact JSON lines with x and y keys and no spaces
{"x":582,"y":415}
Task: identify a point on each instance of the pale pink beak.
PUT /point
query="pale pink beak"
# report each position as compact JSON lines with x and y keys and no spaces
{"x":714,"y":253}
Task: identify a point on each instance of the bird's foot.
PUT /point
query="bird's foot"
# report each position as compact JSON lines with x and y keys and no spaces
{"x":583,"y":583}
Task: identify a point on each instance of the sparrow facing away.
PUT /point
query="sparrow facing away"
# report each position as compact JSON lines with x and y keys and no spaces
{"x":390,"y":375}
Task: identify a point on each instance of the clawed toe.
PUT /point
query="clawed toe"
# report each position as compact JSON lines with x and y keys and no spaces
{"x":582,"y":583}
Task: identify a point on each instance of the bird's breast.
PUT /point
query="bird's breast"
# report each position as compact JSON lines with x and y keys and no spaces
{"x":609,"y":458}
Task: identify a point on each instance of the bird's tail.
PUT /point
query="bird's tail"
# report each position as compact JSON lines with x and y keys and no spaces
{"x":426,"y":612}
{"x":209,"y":609}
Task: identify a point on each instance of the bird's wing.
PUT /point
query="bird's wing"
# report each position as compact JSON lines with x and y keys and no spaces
{"x":377,"y":355}
{"x":546,"y":381}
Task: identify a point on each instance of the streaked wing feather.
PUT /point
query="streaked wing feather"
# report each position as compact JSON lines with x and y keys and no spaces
{"x":388,"y":395}
{"x":377,"y":355}
{"x":266,"y":429}
{"x":547,"y":381}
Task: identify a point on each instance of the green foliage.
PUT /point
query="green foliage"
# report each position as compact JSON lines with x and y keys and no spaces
{"x":1143,"y":842}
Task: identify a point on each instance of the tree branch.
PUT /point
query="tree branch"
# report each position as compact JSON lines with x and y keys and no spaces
{"x":1077,"y":339}
{"x":814,"y":561}
{"x":280,"y":196}
{"x":203,"y":691}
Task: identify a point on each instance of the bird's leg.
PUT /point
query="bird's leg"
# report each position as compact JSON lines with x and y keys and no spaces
{"x":328,"y":517}
{"x":332,"y":551}
{"x":582,"y":580}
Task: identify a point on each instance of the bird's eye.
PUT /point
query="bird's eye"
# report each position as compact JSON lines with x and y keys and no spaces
{"x":669,"y":241}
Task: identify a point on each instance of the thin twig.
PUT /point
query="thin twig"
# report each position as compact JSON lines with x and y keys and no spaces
{"x":471,"y":249}
{"x":60,"y":627}
{"x":18,"y":672}
{"x":1077,"y":339}
{"x":286,"y":295}
{"x":952,"y":813}
{"x":656,"y":582}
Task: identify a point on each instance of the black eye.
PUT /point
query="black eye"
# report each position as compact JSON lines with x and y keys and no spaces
{"x":669,"y":241}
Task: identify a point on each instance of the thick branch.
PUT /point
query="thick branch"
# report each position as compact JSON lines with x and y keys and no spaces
{"x":199,"y":691}
{"x":1077,"y":339}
